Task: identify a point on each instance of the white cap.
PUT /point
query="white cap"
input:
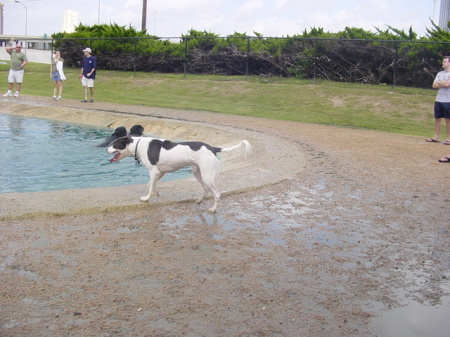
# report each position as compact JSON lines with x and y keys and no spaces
{"x":87,"y":50}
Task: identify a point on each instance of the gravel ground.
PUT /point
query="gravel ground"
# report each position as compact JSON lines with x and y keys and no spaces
{"x":343,"y":226}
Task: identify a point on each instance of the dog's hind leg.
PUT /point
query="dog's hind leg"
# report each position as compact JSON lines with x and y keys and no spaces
{"x":198,"y":175}
{"x":215,"y":192}
{"x":154,"y":177}
{"x":208,"y":176}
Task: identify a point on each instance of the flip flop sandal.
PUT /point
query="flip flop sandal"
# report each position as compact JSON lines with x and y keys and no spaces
{"x":431,"y":140}
{"x":446,"y":160}
{"x":447,"y":142}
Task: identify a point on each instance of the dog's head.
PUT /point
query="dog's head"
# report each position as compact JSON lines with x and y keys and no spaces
{"x":120,"y":148}
{"x":136,"y":131}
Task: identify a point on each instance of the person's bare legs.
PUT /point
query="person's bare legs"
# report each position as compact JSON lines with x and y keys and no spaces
{"x":54,"y":88}
{"x":437,"y":129}
{"x":60,"y":87}
{"x":447,"y":128}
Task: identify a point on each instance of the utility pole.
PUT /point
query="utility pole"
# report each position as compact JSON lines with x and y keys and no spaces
{"x":26,"y":24}
{"x":144,"y":15}
{"x":1,"y":18}
{"x":98,"y":17}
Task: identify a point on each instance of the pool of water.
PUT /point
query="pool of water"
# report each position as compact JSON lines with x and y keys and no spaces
{"x":46,"y":155}
{"x":415,"y":320}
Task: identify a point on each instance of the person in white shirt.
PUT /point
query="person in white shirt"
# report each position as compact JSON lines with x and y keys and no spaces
{"x":442,"y":102}
{"x":57,"y":75}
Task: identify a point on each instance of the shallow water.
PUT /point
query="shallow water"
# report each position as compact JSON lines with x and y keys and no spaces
{"x":415,"y":320}
{"x":272,"y":217}
{"x":45,"y":155}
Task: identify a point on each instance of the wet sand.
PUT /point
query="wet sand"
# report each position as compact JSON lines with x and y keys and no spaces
{"x":321,"y":230}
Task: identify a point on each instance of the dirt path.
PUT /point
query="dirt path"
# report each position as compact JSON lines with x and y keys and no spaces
{"x":359,"y":227}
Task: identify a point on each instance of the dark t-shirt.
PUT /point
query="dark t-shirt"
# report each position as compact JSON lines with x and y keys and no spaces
{"x":88,"y":64}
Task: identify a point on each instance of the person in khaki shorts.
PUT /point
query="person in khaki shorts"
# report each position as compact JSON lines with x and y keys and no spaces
{"x":15,"y":75}
{"x":87,"y":75}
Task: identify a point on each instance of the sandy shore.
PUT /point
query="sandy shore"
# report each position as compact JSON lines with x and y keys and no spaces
{"x":322,"y":230}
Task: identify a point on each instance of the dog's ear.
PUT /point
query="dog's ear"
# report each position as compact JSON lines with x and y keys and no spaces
{"x":121,"y":143}
{"x":127,"y":140}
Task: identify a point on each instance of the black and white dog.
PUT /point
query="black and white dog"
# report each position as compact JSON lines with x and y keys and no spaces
{"x":161,"y":156}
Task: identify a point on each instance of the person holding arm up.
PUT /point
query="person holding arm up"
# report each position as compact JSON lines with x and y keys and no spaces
{"x":57,"y":75}
{"x":15,"y":75}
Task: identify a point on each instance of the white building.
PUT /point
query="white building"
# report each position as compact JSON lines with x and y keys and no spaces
{"x":444,"y":14}
{"x":70,"y":21}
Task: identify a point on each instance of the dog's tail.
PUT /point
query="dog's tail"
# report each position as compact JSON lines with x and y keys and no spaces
{"x":244,"y":147}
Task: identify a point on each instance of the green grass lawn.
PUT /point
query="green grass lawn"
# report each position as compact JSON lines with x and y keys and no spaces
{"x":403,"y":110}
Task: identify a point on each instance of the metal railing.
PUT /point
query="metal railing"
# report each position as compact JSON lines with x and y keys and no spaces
{"x":391,"y":62}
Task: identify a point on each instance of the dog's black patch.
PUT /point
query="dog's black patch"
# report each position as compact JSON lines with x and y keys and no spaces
{"x":155,"y":145}
{"x":136,"y":131}
{"x":168,"y":145}
{"x":119,"y":132}
{"x":154,"y":149}
{"x":195,"y":146}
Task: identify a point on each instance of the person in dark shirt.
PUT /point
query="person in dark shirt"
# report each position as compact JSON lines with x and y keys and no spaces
{"x":87,"y":75}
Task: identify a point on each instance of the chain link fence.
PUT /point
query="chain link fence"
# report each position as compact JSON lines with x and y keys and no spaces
{"x":395,"y":63}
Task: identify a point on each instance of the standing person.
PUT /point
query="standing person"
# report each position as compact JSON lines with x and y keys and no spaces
{"x":442,"y":102}
{"x":88,"y":71}
{"x":57,"y":75}
{"x":15,"y":75}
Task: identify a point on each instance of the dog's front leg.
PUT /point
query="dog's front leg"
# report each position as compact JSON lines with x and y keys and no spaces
{"x":214,"y":208}
{"x":154,"y":177}
{"x":202,"y":197}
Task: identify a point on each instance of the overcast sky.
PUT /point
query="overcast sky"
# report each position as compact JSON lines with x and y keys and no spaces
{"x":171,"y":18}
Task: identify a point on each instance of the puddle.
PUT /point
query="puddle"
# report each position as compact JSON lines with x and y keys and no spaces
{"x":124,"y":230}
{"x":29,"y":274}
{"x":42,"y":243}
{"x":273,"y":240}
{"x":415,"y":320}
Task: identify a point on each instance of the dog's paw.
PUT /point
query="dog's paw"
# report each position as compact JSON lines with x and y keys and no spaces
{"x":212,"y":210}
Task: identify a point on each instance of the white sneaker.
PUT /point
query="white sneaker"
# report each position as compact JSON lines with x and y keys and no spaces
{"x":16,"y":94}
{"x":8,"y":94}
{"x":58,"y":98}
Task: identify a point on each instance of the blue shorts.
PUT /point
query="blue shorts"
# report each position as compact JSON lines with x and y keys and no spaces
{"x":56,"y":77}
{"x":441,"y":110}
